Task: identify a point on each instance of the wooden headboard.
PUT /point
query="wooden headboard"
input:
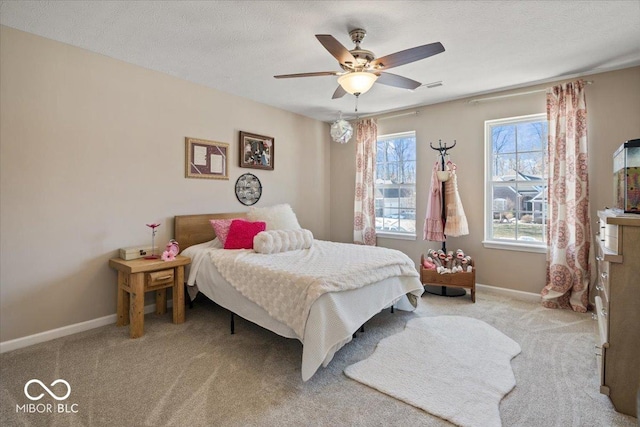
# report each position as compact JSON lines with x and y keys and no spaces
{"x":190,"y":230}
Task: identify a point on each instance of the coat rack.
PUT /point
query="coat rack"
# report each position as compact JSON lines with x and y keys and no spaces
{"x":443,"y":290}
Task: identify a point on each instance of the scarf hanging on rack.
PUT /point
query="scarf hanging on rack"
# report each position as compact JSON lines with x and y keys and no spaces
{"x":456,"y":221}
{"x":433,"y":229}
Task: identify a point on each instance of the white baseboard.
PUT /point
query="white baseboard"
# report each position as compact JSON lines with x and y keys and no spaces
{"x":67,"y":330}
{"x":521,"y":295}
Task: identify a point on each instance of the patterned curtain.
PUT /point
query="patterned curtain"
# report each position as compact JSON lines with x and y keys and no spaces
{"x":568,"y":233}
{"x":364,"y":212}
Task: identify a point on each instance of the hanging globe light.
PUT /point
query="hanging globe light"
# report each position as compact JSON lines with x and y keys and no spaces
{"x":341,"y":130}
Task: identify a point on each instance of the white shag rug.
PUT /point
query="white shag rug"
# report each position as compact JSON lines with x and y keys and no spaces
{"x":457,"y":368}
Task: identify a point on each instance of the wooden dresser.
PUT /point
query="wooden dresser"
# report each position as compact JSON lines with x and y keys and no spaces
{"x":618,"y":309}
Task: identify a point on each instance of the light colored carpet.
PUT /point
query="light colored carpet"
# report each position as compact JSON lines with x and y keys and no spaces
{"x":455,"y":367}
{"x":197,"y":374}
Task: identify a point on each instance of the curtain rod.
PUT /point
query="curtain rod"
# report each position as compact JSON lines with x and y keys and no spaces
{"x":492,"y":98}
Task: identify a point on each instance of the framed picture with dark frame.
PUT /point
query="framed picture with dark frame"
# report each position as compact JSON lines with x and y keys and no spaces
{"x":206,"y":159}
{"x":256,"y":151}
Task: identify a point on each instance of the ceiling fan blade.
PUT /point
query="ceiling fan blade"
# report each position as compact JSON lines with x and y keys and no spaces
{"x":319,"y":73}
{"x":336,"y":49}
{"x":407,"y":56}
{"x":339,"y":93}
{"x":397,"y":81}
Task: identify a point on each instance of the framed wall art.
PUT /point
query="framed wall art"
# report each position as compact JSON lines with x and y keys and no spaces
{"x":206,"y":159}
{"x":256,"y":151}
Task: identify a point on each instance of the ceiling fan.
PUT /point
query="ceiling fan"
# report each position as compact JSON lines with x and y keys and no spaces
{"x":362,"y":69}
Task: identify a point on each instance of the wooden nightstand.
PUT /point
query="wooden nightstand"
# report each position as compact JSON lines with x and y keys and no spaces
{"x":141,"y":275}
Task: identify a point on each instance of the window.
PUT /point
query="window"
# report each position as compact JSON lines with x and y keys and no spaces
{"x":516,"y":183}
{"x":395,"y":186}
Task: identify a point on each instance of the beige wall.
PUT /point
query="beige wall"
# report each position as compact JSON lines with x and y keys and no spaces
{"x":613,"y":103}
{"x":93,"y":148}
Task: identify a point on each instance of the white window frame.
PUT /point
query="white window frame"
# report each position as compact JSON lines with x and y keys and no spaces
{"x":400,"y":235}
{"x":489,"y":241}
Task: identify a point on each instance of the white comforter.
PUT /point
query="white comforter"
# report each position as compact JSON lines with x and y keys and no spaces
{"x":333,"y":318}
{"x":287,"y":284}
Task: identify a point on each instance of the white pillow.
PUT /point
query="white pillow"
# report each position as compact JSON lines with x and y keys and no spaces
{"x":278,"y":217}
{"x":274,"y":241}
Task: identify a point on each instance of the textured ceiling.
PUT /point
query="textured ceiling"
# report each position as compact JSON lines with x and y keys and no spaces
{"x":238,"y":46}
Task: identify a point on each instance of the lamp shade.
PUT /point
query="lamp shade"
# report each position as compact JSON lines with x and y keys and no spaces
{"x":357,"y":82}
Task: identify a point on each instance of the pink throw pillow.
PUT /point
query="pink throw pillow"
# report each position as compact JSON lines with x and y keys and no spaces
{"x":221,"y":227}
{"x":241,"y":233}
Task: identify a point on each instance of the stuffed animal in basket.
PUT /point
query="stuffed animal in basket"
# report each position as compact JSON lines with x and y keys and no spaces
{"x":457,"y":265}
{"x":457,"y":261}
{"x":437,"y":258}
{"x":442,"y":256}
{"x":449,"y":259}
{"x":446,"y":260}
{"x":467,"y":264}
{"x":432,"y":257}
{"x":428,"y":263}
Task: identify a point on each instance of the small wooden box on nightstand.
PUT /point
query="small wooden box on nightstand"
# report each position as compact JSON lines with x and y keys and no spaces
{"x":466,"y":280}
{"x":137,"y":276}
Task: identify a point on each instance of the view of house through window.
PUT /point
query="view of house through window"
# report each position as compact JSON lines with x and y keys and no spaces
{"x":395,"y":186}
{"x":516,"y":191}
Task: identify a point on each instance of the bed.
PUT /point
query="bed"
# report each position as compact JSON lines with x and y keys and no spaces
{"x":331,"y":318}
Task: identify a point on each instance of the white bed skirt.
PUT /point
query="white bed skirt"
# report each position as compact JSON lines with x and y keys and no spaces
{"x":333,"y":318}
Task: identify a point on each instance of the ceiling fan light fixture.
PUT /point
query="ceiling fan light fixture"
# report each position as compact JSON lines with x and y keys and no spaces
{"x":357,"y":82}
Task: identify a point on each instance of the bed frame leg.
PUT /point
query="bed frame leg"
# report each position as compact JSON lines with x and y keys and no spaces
{"x":392,"y":308}
{"x":188,"y":298}
{"x":233,"y":325}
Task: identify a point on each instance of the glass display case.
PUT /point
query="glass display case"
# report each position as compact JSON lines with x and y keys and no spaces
{"x":626,"y":177}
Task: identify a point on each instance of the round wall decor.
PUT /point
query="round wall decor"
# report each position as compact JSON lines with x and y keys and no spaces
{"x":248,"y":189}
